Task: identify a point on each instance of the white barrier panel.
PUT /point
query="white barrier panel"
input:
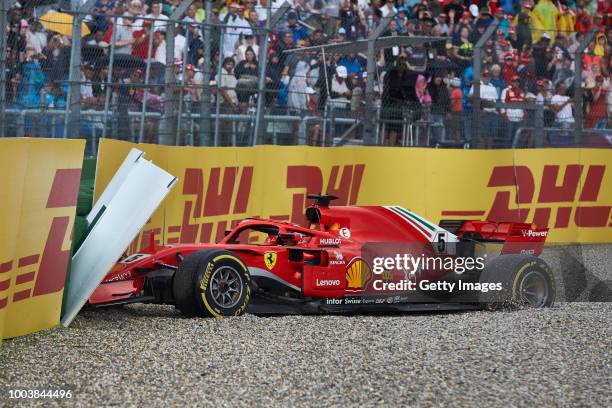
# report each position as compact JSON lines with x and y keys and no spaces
{"x":136,"y":192}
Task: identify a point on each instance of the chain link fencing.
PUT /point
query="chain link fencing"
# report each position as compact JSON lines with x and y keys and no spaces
{"x":176,"y":80}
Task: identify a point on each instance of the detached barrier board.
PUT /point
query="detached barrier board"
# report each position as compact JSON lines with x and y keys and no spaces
{"x":135,"y":191}
{"x":566,"y":190}
{"x":39,"y":184}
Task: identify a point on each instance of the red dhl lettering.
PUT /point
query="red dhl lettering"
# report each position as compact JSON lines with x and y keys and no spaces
{"x":520,"y":181}
{"x":213,"y":198}
{"x":50,"y":275}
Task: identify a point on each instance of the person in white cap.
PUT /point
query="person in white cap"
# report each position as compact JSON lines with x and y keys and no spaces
{"x":136,"y":9}
{"x":339,"y":88}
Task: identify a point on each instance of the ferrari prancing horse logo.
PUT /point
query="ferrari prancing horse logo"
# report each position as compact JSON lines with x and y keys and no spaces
{"x":270,"y":259}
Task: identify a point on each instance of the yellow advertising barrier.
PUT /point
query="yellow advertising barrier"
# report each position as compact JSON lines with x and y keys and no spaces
{"x":40,"y":184}
{"x":568,"y":190}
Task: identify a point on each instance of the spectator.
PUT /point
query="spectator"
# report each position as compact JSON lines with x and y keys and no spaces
{"x":249,"y":42}
{"x":456,"y":109}
{"x":124,"y":37}
{"x":422,"y":92}
{"x":597,"y":116}
{"x":286,"y":43}
{"x":544,"y":19}
{"x":601,"y":42}
{"x":565,"y":21}
{"x":35,"y":38}
{"x":55,"y":60}
{"x":297,"y":99}
{"x":388,"y":9}
{"x":274,"y":71}
{"x":140,"y":47}
{"x":563,"y":74}
{"x":339,"y":88}
{"x":297,"y":31}
{"x":562,"y":105}
{"x":195,"y":47}
{"x":160,"y":51}
{"x":523,"y":29}
{"x":496,"y":80}
{"x":489,"y":120}
{"x":584,"y":23}
{"x":88,"y":101}
{"x":396,"y":94}
{"x":463,"y":49}
{"x":352,"y":65}
{"x":246,"y":74}
{"x":136,"y":9}
{"x":352,"y":20}
{"x":237,"y":27}
{"x":440,"y":104}
{"x":32,"y":81}
{"x":509,"y":69}
{"x":193,"y":83}
{"x":543,"y":97}
{"x":512,"y":94}
{"x":160,"y":19}
{"x":227,"y":85}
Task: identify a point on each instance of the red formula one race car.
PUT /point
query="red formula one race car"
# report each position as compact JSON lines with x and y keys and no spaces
{"x":350,"y":258}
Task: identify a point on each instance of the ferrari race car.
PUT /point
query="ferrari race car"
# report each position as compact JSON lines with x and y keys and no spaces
{"x":348,"y":259}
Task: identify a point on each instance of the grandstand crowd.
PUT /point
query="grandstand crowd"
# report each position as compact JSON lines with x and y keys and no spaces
{"x":530,"y":58}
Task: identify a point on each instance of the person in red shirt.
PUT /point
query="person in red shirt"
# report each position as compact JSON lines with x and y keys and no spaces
{"x":598,"y":113}
{"x":584,"y":22}
{"x":509,"y":69}
{"x":513,"y":94}
{"x":456,"y":106}
{"x":140,"y":48}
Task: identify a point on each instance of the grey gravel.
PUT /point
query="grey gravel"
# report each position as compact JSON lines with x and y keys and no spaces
{"x":148,"y":355}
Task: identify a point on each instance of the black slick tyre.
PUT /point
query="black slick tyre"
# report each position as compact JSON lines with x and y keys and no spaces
{"x":521,"y":280}
{"x":212,"y":283}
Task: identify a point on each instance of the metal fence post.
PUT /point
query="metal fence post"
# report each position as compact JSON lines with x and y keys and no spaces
{"x":165,"y":134}
{"x":109,"y":78}
{"x":167,"y":120}
{"x":261,"y":83}
{"x":369,"y":123}
{"x":73,"y":99}
{"x":539,"y":126}
{"x":218,"y":80}
{"x":476,"y":136}
{"x":181,"y":97}
{"x":4,"y":8}
{"x":145,"y":94}
{"x":73,"y":102}
{"x":205,"y":136}
{"x":271,"y":21}
{"x":578,"y":118}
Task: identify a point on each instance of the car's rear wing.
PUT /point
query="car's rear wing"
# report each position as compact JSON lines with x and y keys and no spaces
{"x":516,"y":237}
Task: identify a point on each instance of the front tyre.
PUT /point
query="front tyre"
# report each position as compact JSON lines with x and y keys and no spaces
{"x":525,"y":280}
{"x":212,"y":283}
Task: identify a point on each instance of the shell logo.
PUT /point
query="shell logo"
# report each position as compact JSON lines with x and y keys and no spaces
{"x":358,"y":274}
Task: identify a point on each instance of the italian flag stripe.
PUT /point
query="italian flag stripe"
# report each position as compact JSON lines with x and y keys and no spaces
{"x":418,"y":219}
{"x":410,"y":222}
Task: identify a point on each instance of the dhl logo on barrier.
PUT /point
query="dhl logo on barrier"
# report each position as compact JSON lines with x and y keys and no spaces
{"x":226,"y":191}
{"x":41,"y":274}
{"x":41,"y":181}
{"x":569,"y":191}
{"x":538,"y":205}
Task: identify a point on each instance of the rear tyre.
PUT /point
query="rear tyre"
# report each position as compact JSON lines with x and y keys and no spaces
{"x":524,"y":280}
{"x":212,"y":283}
